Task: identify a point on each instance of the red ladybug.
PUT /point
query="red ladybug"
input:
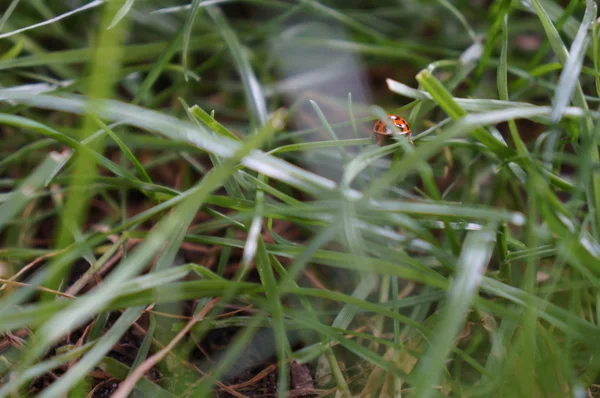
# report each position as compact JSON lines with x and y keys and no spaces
{"x":382,"y":131}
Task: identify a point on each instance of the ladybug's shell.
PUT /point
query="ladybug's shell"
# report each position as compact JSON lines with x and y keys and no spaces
{"x":381,"y":128}
{"x":382,"y":131}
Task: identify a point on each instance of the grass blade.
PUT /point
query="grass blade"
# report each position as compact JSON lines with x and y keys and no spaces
{"x":20,"y":197}
{"x":474,"y":258}
{"x":252,"y":88}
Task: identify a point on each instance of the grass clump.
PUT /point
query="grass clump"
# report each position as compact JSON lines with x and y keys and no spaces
{"x":192,"y":204}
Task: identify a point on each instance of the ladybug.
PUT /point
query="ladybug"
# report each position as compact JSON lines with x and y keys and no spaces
{"x":382,"y":131}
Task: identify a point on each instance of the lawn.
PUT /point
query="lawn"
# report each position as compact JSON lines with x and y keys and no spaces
{"x":193,"y":202}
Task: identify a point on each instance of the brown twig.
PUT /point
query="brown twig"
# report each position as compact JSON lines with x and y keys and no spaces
{"x":261,"y":375}
{"x":85,"y":279}
{"x":40,"y":288}
{"x":29,"y":266}
{"x":191,"y":365}
{"x":129,"y":383}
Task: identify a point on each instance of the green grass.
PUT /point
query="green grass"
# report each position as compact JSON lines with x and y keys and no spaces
{"x":162,"y":168}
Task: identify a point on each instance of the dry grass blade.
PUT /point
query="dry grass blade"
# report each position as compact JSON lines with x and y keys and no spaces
{"x":127,"y":386}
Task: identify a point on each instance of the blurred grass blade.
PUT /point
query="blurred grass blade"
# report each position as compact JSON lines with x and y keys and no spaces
{"x":19,"y":198}
{"x":146,"y":345}
{"x":282,"y":345}
{"x":307,"y":146}
{"x":475,"y":256}
{"x":107,"y":59}
{"x":121,"y":13}
{"x":444,"y":99}
{"x":328,"y":128}
{"x":483,"y":105}
{"x":25,"y":151}
{"x":187,"y":33}
{"x":25,"y":123}
{"x":119,"y":371}
{"x":596,"y":52}
{"x":234,"y":184}
{"x":13,"y":52}
{"x":501,"y":8}
{"x":343,"y":19}
{"x":126,"y":151}
{"x":502,"y":80}
{"x":254,"y":238}
{"x":42,"y":368}
{"x":252,"y":88}
{"x":569,"y":77}
{"x":348,"y":312}
{"x":461,"y":18}
{"x":7,"y":13}
{"x":211,"y":123}
{"x":88,"y":6}
{"x":552,"y":34}
{"x":363,"y":159}
{"x":159,"y":66}
{"x":91,"y":359}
